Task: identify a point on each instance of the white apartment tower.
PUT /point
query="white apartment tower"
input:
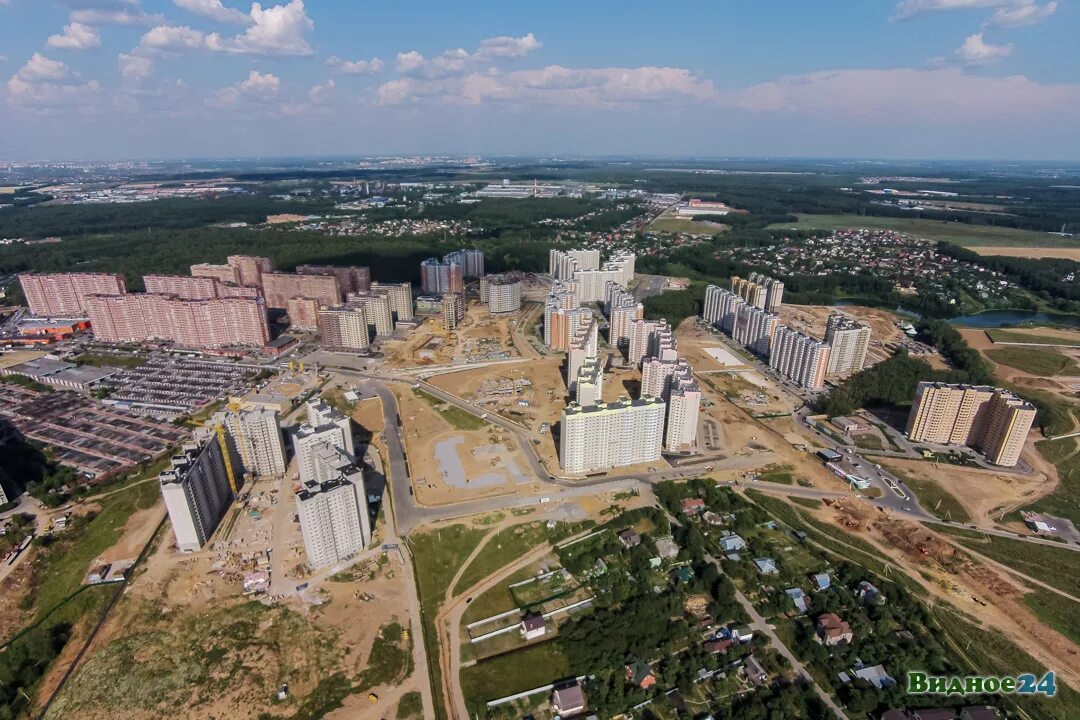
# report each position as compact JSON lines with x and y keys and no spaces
{"x":399,"y":295}
{"x":683,"y":408}
{"x":721,"y":308}
{"x":754,"y":328}
{"x":800,"y":358}
{"x":589,"y":389}
{"x":501,"y":293}
{"x":320,"y":413}
{"x":257,"y":436}
{"x":849,"y":341}
{"x":377,"y":310}
{"x":651,"y":338}
{"x":607,"y":435}
{"x":622,"y":309}
{"x":334,"y":517}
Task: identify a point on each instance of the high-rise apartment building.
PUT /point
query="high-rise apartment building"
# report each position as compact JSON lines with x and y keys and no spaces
{"x":800,"y":358}
{"x":452,"y":311}
{"x":754,"y":328}
{"x":760,"y":291}
{"x":849,"y":341}
{"x":256,"y":433}
{"x":560,"y":301}
{"x":592,"y":284}
{"x":146,"y":317}
{"x":589,"y":388}
{"x":583,"y":347}
{"x":350,"y":279}
{"x":308,"y":441}
{"x":400,"y":297}
{"x":182,"y":286}
{"x":683,"y":408}
{"x":303,"y":313}
{"x":501,"y":293}
{"x":563,"y":264}
{"x":65,"y":294}
{"x":197,"y":492}
{"x":377,"y":309}
{"x":651,"y":338}
{"x":437,"y":276}
{"x":334,"y":517}
{"x":721,"y":308}
{"x":279,"y":287}
{"x":320,"y":413}
{"x":221,"y":273}
{"x":656,"y":376}
{"x":344,"y":328}
{"x":250,"y":269}
{"x":471,"y":262}
{"x":622,"y":309}
{"x":607,"y":435}
{"x":992,"y":420}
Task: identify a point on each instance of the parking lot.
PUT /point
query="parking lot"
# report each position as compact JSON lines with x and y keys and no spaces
{"x":169,"y":386}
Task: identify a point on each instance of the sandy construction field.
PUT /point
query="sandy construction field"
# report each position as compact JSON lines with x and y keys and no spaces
{"x":1067,"y":253}
{"x":811,"y":319}
{"x":479,"y":337}
{"x":703,"y":350}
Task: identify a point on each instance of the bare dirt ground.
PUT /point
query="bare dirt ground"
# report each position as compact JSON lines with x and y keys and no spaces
{"x":137,"y":532}
{"x":179,"y":609}
{"x":985,"y":494}
{"x":1028,"y":252}
{"x":811,"y":319}
{"x":956,"y":578}
{"x":479,"y":336}
{"x":693,"y":341}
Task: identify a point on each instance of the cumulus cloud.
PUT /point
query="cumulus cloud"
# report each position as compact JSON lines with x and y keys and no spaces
{"x":908,"y":95}
{"x":555,"y":85}
{"x":215,"y":10}
{"x":459,"y":61}
{"x":110,"y":12}
{"x":1006,"y":12}
{"x":976,"y":51}
{"x":278,"y":30}
{"x":169,"y":38}
{"x":43,"y":82}
{"x":135,"y":67}
{"x":356,"y":67}
{"x":257,"y":87}
{"x":322,"y":94}
{"x":76,"y":36}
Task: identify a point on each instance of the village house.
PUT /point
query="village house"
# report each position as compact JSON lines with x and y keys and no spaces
{"x":831,"y":630}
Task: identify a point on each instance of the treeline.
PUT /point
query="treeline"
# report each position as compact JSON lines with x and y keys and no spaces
{"x":893,"y":382}
{"x":24,"y":663}
{"x":25,"y":466}
{"x":1046,"y":277}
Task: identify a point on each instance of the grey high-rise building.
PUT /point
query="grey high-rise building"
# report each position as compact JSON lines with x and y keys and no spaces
{"x":197,"y":491}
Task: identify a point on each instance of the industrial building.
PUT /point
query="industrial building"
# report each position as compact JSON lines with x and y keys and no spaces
{"x":992,"y":420}
{"x":606,"y":435}
{"x":198,"y":488}
{"x":849,"y":342}
{"x":67,"y":294}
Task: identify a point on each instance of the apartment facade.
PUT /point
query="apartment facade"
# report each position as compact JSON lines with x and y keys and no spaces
{"x":438,"y":276}
{"x":344,"y":328}
{"x":377,"y":309}
{"x":452,"y":310}
{"x":471,"y":261}
{"x":754,"y":328}
{"x":197,"y":492}
{"x":651,"y":338}
{"x":66,"y":294}
{"x":334,"y":518}
{"x":349,"y":278}
{"x":607,"y":435}
{"x":278,"y":288}
{"x":256,"y":433}
{"x":501,"y":293}
{"x":303,"y":313}
{"x":589,"y":388}
{"x":146,"y":317}
{"x":683,"y":409}
{"x":622,"y":309}
{"x":399,"y":295}
{"x":849,"y":342}
{"x":800,"y":358}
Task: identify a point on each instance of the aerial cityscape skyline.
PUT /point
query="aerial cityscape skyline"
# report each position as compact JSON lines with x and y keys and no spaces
{"x":194,"y":78}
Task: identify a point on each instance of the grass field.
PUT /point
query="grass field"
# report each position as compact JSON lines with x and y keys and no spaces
{"x":1043,"y":363}
{"x":1002,"y":335}
{"x":455,"y":416}
{"x":1053,"y":566}
{"x":1057,"y":612}
{"x":777,"y":474}
{"x":437,"y":555}
{"x":1065,"y":500}
{"x":933,"y":497}
{"x":957,"y":233}
{"x":507,"y":546}
{"x":410,"y":707}
{"x":511,"y":673}
{"x":671,"y":224}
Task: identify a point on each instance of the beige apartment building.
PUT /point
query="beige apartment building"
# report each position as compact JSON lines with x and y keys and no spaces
{"x":993,"y":420}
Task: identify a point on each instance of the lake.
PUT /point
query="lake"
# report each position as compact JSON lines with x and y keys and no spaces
{"x":1013,"y":318}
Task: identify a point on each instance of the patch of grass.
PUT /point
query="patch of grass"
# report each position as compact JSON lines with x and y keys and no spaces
{"x":990,"y":653}
{"x":124,"y":361}
{"x":1056,"y":611}
{"x":410,"y":707}
{"x":457,"y":417}
{"x":777,"y":474}
{"x":867,"y":441}
{"x":672,"y":224}
{"x":806,"y":502}
{"x":932,"y":496}
{"x":390,"y":660}
{"x":437,"y":555}
{"x":1043,"y":363}
{"x":1004,"y":335}
{"x":1065,"y":500}
{"x":940,"y":230}
{"x":511,"y":673}
{"x":510,"y":544}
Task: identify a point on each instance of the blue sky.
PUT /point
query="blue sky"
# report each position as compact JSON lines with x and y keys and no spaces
{"x":111,"y":79}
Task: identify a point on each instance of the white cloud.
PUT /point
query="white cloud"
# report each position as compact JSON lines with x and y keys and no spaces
{"x":257,"y":87}
{"x":322,"y":94}
{"x":555,"y":85}
{"x":506,"y":46}
{"x":907,"y":95}
{"x":356,"y":67}
{"x":215,"y":10}
{"x":411,"y":61}
{"x":278,"y":30}
{"x":110,"y":12}
{"x":976,"y":51}
{"x":135,"y":67}
{"x":168,"y":38}
{"x":1006,"y":12}
{"x":1026,"y":13}
{"x":43,"y":82}
{"x":76,"y":36}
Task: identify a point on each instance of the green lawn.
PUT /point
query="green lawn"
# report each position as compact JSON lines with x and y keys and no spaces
{"x":1002,"y":335}
{"x":1065,"y":500}
{"x":125,"y":361}
{"x":932,"y":496}
{"x":437,"y":555}
{"x":1043,"y":363}
{"x":410,"y":707}
{"x":953,"y":232}
{"x":777,"y":474}
{"x":1056,"y":611}
{"x":499,"y":598}
{"x":511,"y":673}
{"x":457,"y":417}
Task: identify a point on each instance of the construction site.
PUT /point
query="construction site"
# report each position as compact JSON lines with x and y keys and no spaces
{"x":478,"y":337}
